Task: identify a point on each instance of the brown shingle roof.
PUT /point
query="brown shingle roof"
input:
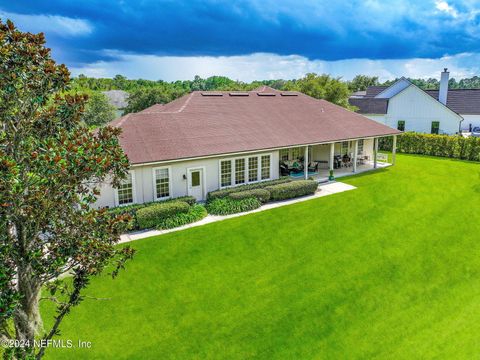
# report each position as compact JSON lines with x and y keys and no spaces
{"x":197,"y":125}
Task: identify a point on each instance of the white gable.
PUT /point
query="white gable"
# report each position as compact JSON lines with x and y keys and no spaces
{"x":394,"y":89}
{"x":418,"y":110}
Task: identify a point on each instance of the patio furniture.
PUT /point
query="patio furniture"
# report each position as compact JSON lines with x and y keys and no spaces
{"x":347,"y":161}
{"x":337,"y":162}
{"x":284,"y":170}
{"x":362,"y":160}
{"x":323,"y":164}
{"x":292,"y":166}
{"x":313,"y":166}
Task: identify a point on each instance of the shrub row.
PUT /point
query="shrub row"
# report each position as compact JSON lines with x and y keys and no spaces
{"x":450,"y":146}
{"x":247,"y":200}
{"x":222,"y":193}
{"x":132,"y":209}
{"x":150,"y":216}
{"x":292,"y":189}
{"x":262,"y":195}
{"x":195,"y":213}
{"x":227,"y":205}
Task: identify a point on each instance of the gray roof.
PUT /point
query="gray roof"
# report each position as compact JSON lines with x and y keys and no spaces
{"x":461,"y":101}
{"x":117,"y":98}
{"x":370,"y":105}
{"x":373,"y":91}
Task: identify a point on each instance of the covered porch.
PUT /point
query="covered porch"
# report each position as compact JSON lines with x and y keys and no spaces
{"x":342,"y":158}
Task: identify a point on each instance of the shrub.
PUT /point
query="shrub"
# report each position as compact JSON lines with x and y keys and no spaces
{"x":226,"y":205}
{"x":292,"y":189}
{"x":262,"y":195}
{"x":260,"y":185}
{"x":451,"y":146}
{"x":195,"y":213}
{"x":150,"y":216}
{"x":132,"y":209}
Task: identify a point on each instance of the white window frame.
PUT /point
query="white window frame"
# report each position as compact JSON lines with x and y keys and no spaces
{"x":134,"y":191}
{"x":220,"y":172}
{"x":233,"y":172}
{"x":360,"y":141}
{"x":154,"y":178}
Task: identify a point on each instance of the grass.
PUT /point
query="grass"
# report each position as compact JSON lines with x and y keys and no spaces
{"x":389,"y":270}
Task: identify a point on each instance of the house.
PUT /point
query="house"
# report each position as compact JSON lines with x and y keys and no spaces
{"x":406,"y":107}
{"x":117,"y":98}
{"x":204,"y":141}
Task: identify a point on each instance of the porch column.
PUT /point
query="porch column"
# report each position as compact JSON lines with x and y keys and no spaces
{"x":332,"y":154}
{"x":375,"y":152}
{"x":394,"y":149}
{"x":355,"y":155}
{"x":305,"y":166}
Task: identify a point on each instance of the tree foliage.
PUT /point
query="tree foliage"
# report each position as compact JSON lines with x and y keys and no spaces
{"x":51,"y":165}
{"x":98,"y":110}
{"x":362,"y":82}
{"x":322,"y":87}
{"x":146,"y":97}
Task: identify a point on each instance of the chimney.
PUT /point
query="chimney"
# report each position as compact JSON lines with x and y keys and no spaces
{"x":443,"y":92}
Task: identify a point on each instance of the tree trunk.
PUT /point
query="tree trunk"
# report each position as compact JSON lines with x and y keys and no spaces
{"x":27,"y":319}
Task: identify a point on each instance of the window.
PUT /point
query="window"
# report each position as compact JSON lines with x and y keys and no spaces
{"x":162,"y":183}
{"x":435,"y":127}
{"x":195,"y":178}
{"x":125,"y":190}
{"x":295,"y":153}
{"x":401,"y":125}
{"x":360,"y":147}
{"x":344,"y":147}
{"x":265,"y":167}
{"x":239,"y":171}
{"x":225,"y":173}
{"x":252,"y":169}
{"x":284,"y":154}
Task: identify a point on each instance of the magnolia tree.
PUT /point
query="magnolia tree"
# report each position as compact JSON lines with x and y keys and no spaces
{"x":50,"y":168}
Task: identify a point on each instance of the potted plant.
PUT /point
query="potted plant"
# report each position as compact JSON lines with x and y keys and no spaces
{"x":331,"y":177}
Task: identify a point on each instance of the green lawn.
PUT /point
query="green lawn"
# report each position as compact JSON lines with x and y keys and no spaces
{"x":390,"y":270}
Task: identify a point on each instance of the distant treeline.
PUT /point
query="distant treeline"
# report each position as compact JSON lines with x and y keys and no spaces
{"x":360,"y":82}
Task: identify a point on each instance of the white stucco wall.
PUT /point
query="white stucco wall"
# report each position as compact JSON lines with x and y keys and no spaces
{"x":418,"y":110}
{"x":144,"y":185}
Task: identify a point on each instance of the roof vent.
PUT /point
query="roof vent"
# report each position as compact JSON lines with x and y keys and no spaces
{"x":289,"y":94}
{"x":238,"y":94}
{"x":211,"y":94}
{"x":265,"y":94}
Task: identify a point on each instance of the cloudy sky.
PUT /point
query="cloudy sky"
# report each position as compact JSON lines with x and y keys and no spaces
{"x":256,"y":39}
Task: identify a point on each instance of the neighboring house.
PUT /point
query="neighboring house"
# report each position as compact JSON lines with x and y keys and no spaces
{"x":406,"y":107}
{"x":117,"y":98}
{"x":209,"y":140}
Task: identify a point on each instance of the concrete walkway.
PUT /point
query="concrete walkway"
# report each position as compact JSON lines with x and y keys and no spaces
{"x":323,"y":190}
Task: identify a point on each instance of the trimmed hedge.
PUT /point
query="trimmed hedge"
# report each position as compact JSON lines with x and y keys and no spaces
{"x":222,"y":193}
{"x":227,"y":206}
{"x":195,"y":213}
{"x":450,"y":146}
{"x":292,"y":189}
{"x":262,"y":195}
{"x":132,"y":209}
{"x":151,"y":216}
